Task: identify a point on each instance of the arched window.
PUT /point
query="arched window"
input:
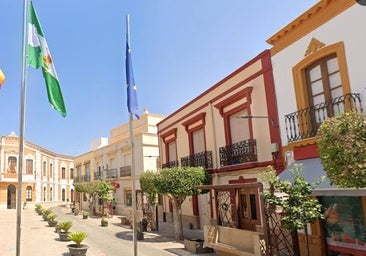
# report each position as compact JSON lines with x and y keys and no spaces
{"x":63,"y":194}
{"x":51,"y":194}
{"x":44,"y":193}
{"x":28,"y":193}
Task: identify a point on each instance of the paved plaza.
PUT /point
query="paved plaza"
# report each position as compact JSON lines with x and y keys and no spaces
{"x":37,"y":238}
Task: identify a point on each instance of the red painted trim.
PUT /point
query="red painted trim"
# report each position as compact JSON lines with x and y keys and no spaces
{"x":201,"y":116}
{"x":271,"y":100}
{"x":306,"y":152}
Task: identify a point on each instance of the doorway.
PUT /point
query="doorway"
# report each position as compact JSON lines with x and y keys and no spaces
{"x":248,"y":209}
{"x":11,"y":201}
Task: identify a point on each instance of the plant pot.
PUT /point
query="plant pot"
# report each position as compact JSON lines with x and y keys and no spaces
{"x":140,"y":235}
{"x":64,"y":236}
{"x":45,"y":217}
{"x":77,"y":251}
{"x":85,"y":217}
{"x":104,"y":224}
{"x":57,"y":229}
{"x":52,"y":223}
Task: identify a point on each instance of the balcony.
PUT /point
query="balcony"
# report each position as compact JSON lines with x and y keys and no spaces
{"x":202,"y":159}
{"x":170,"y":164}
{"x":304,"y":123}
{"x":111,"y":174}
{"x":97,"y":175}
{"x":86,"y":178}
{"x":125,"y":171}
{"x":238,"y":153}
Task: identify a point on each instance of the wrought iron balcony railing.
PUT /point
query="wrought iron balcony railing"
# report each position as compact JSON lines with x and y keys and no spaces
{"x":304,"y":123}
{"x":170,"y":164}
{"x":125,"y":171}
{"x":201,"y":159}
{"x":97,"y":175}
{"x":237,"y":153}
{"x":111,"y":174}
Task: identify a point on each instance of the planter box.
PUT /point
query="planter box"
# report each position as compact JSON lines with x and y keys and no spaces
{"x":196,"y":246}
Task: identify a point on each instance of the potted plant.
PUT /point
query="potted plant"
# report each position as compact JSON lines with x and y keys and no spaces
{"x":38,"y":208}
{"x":140,"y":234}
{"x":65,"y":227}
{"x":104,"y":222}
{"x":76,"y":212}
{"x":85,"y":214}
{"x":77,"y":249}
{"x":52,"y":219}
{"x":45,"y":213}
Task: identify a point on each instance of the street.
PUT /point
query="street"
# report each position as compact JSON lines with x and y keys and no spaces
{"x":40,"y":239}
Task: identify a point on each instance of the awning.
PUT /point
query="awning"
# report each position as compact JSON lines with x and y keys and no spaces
{"x":313,"y":170}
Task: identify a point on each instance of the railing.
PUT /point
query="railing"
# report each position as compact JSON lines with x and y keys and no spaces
{"x":111,"y":174}
{"x":86,"y":178}
{"x":125,"y":171}
{"x":97,"y":176}
{"x":305,"y":123}
{"x":237,"y":153}
{"x":170,"y":164}
{"x":201,"y":159}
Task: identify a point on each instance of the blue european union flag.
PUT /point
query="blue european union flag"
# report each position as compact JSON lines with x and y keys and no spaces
{"x":131,"y":86}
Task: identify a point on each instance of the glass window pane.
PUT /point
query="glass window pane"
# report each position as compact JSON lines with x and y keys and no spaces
{"x":314,"y":73}
{"x":332,"y":65}
{"x":318,"y":99}
{"x":335,"y":80}
{"x":338,"y":92}
{"x":317,"y":87}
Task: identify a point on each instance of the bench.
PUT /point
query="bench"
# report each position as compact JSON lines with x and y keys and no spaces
{"x":232,"y":241}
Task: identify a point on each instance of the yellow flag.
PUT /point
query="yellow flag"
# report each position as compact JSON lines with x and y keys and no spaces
{"x":2,"y":77}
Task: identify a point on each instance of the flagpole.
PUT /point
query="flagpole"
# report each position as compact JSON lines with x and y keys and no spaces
{"x":21,"y":127}
{"x":134,"y":226}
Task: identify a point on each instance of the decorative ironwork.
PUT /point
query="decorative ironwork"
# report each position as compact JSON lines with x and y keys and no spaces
{"x":240,"y":152}
{"x":202,"y":159}
{"x":97,"y":176}
{"x":304,"y":123}
{"x":170,"y":164}
{"x":125,"y":171}
{"x":111,"y":174}
{"x":225,"y":208}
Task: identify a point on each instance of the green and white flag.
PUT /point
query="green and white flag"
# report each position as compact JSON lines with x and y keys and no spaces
{"x":39,"y":56}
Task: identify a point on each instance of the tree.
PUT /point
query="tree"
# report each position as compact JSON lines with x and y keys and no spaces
{"x":177,"y":183}
{"x":299,"y":208}
{"x":342,"y":149}
{"x":92,"y":189}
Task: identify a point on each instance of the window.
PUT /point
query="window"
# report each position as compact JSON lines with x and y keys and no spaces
{"x":44,"y":194}
{"x":172,"y":151}
{"x":51,"y":193}
{"x":71,"y":173}
{"x":28,"y":193}
{"x":51,"y":170}
{"x":63,"y":173}
{"x":239,"y":127}
{"x":29,"y":166}
{"x":323,"y":84}
{"x":63,"y":194}
{"x":44,"y":167}
{"x":12,"y":164}
{"x":128,"y":197}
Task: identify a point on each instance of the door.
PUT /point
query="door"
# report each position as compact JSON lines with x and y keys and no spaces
{"x":11,"y":202}
{"x":248,"y":209}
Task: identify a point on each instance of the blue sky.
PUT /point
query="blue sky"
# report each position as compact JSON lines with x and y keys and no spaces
{"x":179,"y":50}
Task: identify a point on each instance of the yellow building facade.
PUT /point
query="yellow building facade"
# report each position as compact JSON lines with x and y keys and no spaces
{"x":47,"y":177}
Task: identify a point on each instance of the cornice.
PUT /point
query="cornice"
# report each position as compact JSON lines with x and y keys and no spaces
{"x":320,"y":13}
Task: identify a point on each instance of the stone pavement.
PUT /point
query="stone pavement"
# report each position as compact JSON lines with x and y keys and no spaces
{"x":37,"y":238}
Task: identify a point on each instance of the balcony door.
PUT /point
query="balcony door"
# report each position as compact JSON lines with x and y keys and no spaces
{"x":324,"y":85}
{"x":239,"y":127}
